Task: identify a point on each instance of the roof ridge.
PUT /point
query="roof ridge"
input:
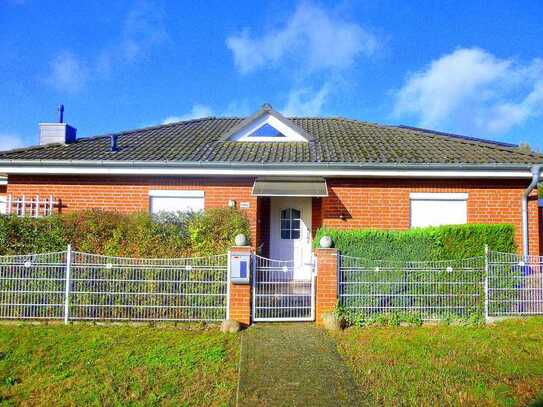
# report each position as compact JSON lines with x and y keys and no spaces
{"x":147,"y":128}
{"x":457,"y":136}
{"x":459,"y":139}
{"x":120,"y":133}
{"x":449,"y":136}
{"x":31,"y":148}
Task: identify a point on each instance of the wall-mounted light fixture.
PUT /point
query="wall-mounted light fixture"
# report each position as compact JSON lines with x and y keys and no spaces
{"x":231,"y":203}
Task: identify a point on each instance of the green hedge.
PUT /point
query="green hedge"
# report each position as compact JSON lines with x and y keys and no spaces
{"x":433,"y":243}
{"x":133,"y":235}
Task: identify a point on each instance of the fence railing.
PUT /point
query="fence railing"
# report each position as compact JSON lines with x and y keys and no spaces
{"x":279,"y":293}
{"x":79,"y":286}
{"x":432,"y":290}
{"x":71,"y":285}
{"x":515,"y":285}
{"x":494,"y":285}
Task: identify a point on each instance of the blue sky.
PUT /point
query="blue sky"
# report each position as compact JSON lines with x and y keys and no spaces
{"x":469,"y":67}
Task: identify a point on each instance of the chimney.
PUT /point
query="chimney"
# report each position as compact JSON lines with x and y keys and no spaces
{"x":57,"y":133}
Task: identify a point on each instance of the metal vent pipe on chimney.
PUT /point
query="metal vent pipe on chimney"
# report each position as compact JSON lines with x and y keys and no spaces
{"x":61,"y":113}
{"x":114,"y":146}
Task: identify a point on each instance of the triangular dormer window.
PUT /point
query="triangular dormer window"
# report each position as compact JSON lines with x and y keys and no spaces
{"x":267,"y":125}
{"x":267,"y":130}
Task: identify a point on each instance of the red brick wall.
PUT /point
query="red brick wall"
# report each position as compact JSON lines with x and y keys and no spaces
{"x":131,"y":194}
{"x":365,"y":203}
{"x":316,"y":215}
{"x":240,"y":297}
{"x":385,"y":204}
{"x":540,"y":230}
{"x":326,"y":289}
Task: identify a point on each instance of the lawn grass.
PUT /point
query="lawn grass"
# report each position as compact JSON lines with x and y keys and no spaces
{"x":116,"y":365}
{"x":448,"y":365}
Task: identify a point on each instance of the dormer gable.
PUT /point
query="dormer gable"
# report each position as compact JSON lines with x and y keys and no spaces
{"x":267,"y":125}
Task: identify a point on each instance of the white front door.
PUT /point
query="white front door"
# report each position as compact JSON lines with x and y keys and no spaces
{"x":290,"y":233}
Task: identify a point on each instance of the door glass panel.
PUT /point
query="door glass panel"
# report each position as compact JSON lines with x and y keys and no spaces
{"x":290,"y":223}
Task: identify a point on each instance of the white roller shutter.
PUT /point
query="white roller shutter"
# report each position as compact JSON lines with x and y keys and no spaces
{"x":434,"y":209}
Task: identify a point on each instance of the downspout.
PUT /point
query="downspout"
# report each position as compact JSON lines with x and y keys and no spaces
{"x":536,"y":178}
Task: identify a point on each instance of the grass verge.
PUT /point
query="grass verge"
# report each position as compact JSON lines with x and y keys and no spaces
{"x":116,"y":365}
{"x":448,"y":365}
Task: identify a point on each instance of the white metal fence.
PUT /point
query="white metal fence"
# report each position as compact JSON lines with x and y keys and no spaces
{"x":72,"y":285}
{"x":515,"y":284}
{"x":278,"y":295}
{"x":494,"y":285}
{"x":79,"y":286}
{"x":432,"y":290}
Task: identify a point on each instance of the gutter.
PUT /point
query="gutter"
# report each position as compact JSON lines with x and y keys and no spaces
{"x":323,"y":169}
{"x":536,"y":178}
{"x":230,"y":164}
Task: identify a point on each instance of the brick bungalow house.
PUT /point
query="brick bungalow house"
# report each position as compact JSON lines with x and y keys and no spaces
{"x":290,"y":175}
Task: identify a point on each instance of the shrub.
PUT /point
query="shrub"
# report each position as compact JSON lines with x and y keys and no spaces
{"x":132,"y":235}
{"x":452,"y":242}
{"x":212,"y":231}
{"x":28,"y":235}
{"x":352,"y":317}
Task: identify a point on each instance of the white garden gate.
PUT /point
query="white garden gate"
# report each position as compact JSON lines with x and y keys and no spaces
{"x":279,"y":294}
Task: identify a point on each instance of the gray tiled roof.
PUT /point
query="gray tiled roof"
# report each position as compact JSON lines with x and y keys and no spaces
{"x":336,"y":140}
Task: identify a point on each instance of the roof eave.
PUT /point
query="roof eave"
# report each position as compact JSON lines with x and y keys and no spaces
{"x":230,"y":165}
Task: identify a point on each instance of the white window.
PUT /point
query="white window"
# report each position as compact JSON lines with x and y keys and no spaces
{"x":434,"y":209}
{"x":176,"y":201}
{"x":3,"y":205}
{"x":269,"y":128}
{"x":290,"y":224}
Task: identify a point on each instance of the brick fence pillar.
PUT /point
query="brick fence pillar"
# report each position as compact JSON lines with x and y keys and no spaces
{"x":327,"y":282}
{"x":240,"y":295}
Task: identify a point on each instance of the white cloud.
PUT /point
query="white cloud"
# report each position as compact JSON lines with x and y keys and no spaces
{"x":142,"y":29}
{"x":306,"y":101}
{"x":301,"y":102}
{"x":311,"y":37}
{"x":10,"y":141}
{"x":238,"y":108}
{"x":234,"y":108}
{"x":67,"y":72}
{"x":471,"y":90}
{"x":196,"y":112}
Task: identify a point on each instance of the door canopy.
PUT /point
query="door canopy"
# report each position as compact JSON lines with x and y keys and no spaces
{"x":290,"y":187}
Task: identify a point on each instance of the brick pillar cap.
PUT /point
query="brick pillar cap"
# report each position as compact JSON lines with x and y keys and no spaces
{"x":241,"y":248}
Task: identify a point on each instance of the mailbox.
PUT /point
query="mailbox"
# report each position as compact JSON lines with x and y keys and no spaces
{"x":240,"y":268}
